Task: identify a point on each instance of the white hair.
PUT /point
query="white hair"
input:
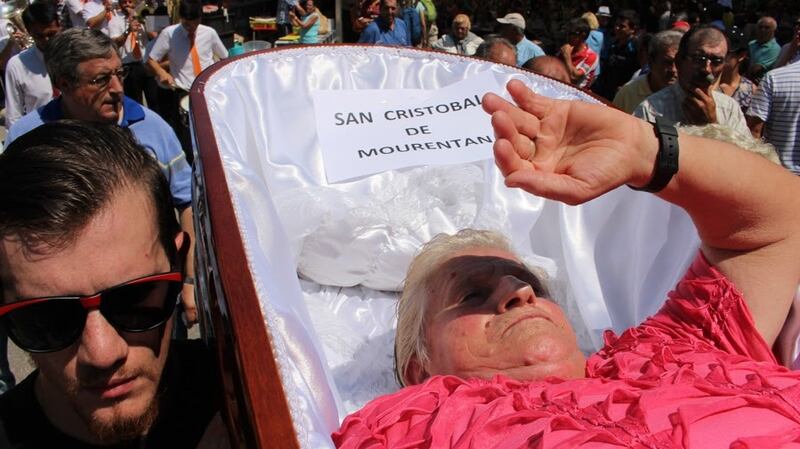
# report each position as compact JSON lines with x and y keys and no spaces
{"x":727,"y":134}
{"x":410,"y":340}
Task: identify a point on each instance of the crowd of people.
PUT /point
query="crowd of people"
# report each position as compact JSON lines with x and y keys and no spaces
{"x":692,"y":66}
{"x":95,"y":126}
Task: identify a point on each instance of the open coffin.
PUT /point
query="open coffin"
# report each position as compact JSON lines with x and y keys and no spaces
{"x":301,"y":351}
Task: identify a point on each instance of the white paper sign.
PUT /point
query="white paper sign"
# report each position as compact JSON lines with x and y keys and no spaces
{"x":362,"y":132}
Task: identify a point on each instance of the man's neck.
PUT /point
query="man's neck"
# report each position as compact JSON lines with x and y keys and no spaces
{"x":387,"y":24}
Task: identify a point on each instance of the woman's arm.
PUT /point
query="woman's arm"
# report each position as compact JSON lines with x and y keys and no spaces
{"x":309,"y":21}
{"x":743,"y":206}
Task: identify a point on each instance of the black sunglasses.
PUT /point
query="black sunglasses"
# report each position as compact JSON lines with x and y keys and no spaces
{"x":701,"y":60}
{"x":53,"y":323}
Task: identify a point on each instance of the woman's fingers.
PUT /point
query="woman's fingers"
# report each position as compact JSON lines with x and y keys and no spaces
{"x":506,"y":158}
{"x":554,"y":186}
{"x":525,"y":123}
{"x":538,"y":105}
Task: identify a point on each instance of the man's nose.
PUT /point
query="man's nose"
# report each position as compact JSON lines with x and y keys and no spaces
{"x":115,"y":85}
{"x":511,"y":292}
{"x":101,"y":346}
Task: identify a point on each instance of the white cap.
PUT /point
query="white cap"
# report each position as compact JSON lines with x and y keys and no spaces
{"x":604,"y":11}
{"x":513,"y":18}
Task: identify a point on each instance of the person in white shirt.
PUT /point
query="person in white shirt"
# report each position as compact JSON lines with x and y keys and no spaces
{"x":27,"y":84}
{"x":181,"y":42}
{"x":98,"y":14}
{"x":190,"y":48}
{"x":74,"y":13}
{"x":131,"y":39}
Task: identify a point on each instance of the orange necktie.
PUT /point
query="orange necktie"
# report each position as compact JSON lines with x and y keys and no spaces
{"x":135,"y":49}
{"x":195,"y":57}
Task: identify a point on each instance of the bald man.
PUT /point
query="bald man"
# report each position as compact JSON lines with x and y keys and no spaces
{"x":497,"y":49}
{"x":548,"y":66}
{"x":764,"y":49}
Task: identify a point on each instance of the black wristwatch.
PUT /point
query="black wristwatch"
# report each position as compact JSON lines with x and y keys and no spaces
{"x":667,"y":159}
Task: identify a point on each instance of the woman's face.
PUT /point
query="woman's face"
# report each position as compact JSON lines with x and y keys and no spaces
{"x":486,"y":316}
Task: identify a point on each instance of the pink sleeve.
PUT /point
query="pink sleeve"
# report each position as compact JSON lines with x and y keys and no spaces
{"x":401,"y":419}
{"x":704,"y":311}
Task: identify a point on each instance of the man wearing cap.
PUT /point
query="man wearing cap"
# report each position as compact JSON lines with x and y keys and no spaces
{"x":513,"y":29}
{"x":694,"y":99}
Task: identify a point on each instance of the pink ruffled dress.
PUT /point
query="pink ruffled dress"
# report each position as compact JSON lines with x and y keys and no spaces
{"x":695,"y":375}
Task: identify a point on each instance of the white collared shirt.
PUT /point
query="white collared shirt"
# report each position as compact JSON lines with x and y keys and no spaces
{"x":27,"y":84}
{"x":119,"y":26}
{"x":92,"y":8}
{"x":174,"y":42}
{"x":75,"y":10}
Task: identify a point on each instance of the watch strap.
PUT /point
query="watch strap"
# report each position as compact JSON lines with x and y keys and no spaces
{"x":666,"y":164}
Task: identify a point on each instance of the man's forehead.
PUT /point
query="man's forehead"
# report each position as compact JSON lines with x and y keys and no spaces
{"x":118,"y":244}
{"x":96,"y":65}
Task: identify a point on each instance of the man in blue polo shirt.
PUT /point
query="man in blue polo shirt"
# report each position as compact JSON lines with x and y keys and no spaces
{"x":85,"y":68}
{"x":513,"y":29}
{"x":387,"y":29}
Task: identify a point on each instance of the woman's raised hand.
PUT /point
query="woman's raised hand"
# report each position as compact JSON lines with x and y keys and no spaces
{"x":570,"y":151}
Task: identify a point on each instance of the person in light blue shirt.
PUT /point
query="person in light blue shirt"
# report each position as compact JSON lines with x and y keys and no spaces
{"x":387,"y":29}
{"x":308,"y":24}
{"x":764,"y":50}
{"x":514,"y":30}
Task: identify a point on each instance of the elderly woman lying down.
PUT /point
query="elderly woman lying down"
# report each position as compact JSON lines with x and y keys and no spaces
{"x":490,"y":362}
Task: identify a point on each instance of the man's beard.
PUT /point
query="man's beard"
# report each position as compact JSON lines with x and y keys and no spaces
{"x":123,"y":429}
{"x":113,"y":428}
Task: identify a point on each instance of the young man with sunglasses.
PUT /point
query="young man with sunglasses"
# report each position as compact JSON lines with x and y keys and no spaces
{"x":694,"y":99}
{"x":91,"y":264}
{"x":86,"y":69}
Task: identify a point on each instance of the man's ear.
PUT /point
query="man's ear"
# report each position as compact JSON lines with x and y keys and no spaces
{"x":415,"y":373}
{"x":61,"y":84}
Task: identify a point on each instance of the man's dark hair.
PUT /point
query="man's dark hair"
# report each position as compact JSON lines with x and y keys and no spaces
{"x":42,"y":12}
{"x":580,"y":26}
{"x":55,"y":179}
{"x":190,"y":9}
{"x":630,"y":16}
{"x":71,"y":47}
{"x":699,"y":33}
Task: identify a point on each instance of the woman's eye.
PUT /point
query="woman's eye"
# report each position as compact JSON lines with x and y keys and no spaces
{"x":472,"y":297}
